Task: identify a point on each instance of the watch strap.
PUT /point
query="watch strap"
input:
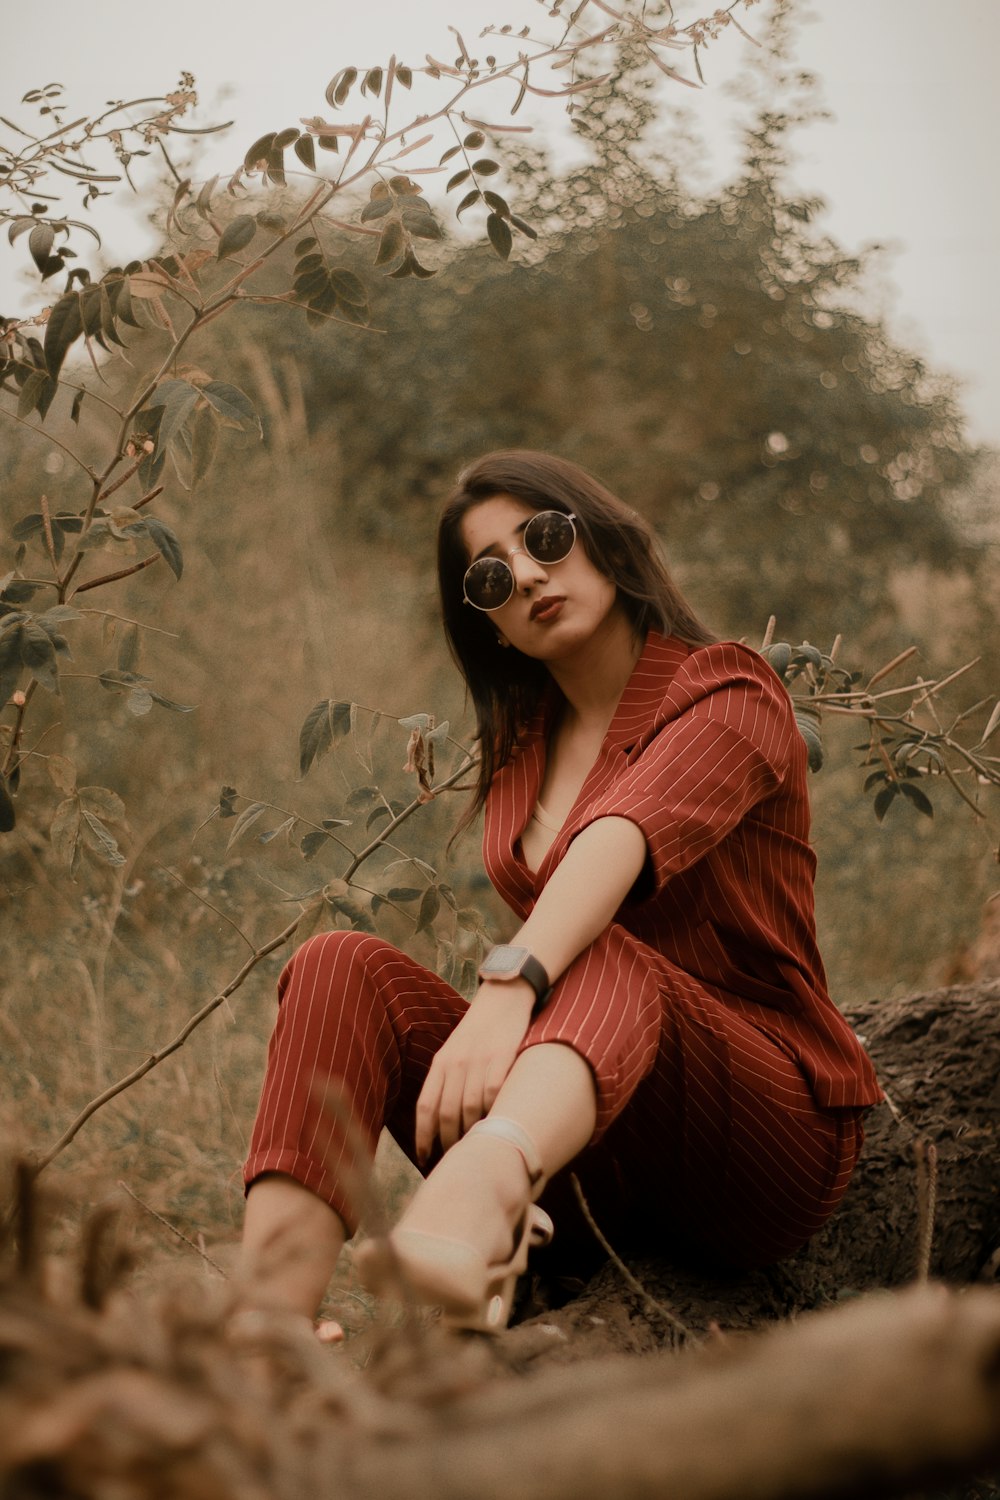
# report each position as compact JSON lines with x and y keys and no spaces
{"x":522,"y":965}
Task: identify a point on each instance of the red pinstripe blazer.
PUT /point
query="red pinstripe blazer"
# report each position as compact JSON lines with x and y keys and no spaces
{"x":704,"y":755}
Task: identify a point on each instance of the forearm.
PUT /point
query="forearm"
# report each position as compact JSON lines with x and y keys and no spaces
{"x":583,"y":893}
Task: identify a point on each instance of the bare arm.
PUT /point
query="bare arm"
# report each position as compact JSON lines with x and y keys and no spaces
{"x":583,"y":893}
{"x":579,"y":901}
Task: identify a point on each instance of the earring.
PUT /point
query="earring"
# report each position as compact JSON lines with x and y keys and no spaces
{"x":502,"y":640}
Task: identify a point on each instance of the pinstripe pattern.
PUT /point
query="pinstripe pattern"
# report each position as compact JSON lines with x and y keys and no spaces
{"x":726,"y":1078}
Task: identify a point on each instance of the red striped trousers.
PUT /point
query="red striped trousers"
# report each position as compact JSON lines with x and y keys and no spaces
{"x":705,"y":1125}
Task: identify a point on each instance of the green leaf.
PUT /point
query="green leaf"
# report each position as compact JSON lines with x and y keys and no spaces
{"x":309,"y":243}
{"x":499,"y":205}
{"x":165,"y":541}
{"x":74,"y":414}
{"x":64,"y":830}
{"x":175,"y":708}
{"x":8,"y":816}
{"x":499,"y":235}
{"x":258,"y":151}
{"x":178,"y":399}
{"x":919,"y":798}
{"x":467,"y":202}
{"x":32,"y":393}
{"x":884,"y":799}
{"x":778,"y":657}
{"x":348,"y":287}
{"x":40,"y":243}
{"x":64,"y":325}
{"x":429,"y":908}
{"x":451,"y":152}
{"x":227,"y":798}
{"x":391,"y":244}
{"x":404,"y":893}
{"x":204,"y":442}
{"x":485,"y":167}
{"x":808,"y":725}
{"x":305,"y":150}
{"x":312,"y":844}
{"x":246,"y":820}
{"x":104,"y":802}
{"x":376,"y":208}
{"x":237,"y":234}
{"x":405,"y":76}
{"x":326,"y":722}
{"x":340,"y":86}
{"x":458,"y":179}
{"x":372,"y":82}
{"x":139,"y":702}
{"x":285,"y":827}
{"x":99,"y":840}
{"x":285,"y":138}
{"x":377,"y":814}
{"x":474,"y":140}
{"x":39,"y":654}
{"x":232,"y":405}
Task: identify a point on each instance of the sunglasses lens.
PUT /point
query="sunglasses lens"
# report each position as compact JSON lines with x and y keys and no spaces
{"x":549,"y":536}
{"x":489,"y":583}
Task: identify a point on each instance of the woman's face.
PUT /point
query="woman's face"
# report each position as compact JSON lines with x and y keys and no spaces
{"x":556,"y":608}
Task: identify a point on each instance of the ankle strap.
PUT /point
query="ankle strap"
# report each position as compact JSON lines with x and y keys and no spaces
{"x":515,"y":1134}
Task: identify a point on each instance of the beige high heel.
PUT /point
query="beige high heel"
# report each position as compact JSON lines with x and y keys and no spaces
{"x":443,"y":1272}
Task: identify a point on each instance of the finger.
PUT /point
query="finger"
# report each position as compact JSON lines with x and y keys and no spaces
{"x":427,"y":1112}
{"x":473,"y":1100}
{"x":449,"y":1115}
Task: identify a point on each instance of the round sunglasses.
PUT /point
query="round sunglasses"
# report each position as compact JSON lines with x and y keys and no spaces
{"x":549,"y":537}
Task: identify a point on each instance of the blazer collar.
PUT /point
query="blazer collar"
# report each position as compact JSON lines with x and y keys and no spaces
{"x":645,"y":690}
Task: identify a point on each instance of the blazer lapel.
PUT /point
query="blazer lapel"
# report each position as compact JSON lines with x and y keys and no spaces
{"x":635,"y":716}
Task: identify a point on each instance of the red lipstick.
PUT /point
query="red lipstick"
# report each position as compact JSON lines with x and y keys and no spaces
{"x":548,"y":607}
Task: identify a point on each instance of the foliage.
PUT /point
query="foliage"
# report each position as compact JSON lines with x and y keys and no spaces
{"x":706,"y":378}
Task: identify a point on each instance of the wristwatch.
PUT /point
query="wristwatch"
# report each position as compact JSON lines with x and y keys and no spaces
{"x":507,"y":961}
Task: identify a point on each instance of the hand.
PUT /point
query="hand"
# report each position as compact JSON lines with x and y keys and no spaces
{"x":469,"y":1069}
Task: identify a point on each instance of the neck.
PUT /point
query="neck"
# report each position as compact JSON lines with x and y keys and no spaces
{"x":594,"y":678}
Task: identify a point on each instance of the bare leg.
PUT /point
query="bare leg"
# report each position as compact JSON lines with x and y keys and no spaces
{"x":291,"y":1241}
{"x":477,"y":1192}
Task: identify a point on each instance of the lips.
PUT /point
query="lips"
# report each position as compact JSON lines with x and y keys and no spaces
{"x":548,"y":607}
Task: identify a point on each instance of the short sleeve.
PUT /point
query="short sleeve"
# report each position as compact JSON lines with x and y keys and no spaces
{"x":721,"y":743}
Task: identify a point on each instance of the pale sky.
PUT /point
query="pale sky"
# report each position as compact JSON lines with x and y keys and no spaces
{"x":907,"y":161}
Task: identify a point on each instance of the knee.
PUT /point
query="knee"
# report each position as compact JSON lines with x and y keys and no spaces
{"x":333,"y":960}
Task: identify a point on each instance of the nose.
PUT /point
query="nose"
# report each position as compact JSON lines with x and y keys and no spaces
{"x":527,"y":572}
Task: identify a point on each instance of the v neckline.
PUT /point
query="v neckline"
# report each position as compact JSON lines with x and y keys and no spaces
{"x":642,"y":695}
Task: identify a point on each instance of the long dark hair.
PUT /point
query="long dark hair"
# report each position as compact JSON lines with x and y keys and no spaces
{"x":507,"y":686}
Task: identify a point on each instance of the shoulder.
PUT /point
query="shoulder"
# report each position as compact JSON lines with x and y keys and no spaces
{"x":726,"y":664}
{"x":726,"y":689}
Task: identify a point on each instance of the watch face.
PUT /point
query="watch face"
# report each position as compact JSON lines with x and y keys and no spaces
{"x":504,"y":960}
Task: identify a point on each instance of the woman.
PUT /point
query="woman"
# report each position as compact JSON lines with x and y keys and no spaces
{"x":660,"y":1016}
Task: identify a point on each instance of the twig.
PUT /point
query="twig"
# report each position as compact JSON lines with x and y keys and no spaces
{"x":172,"y":1227}
{"x":95,"y":583}
{"x":205,"y":902}
{"x":112,"y":1092}
{"x":925,"y":1152}
{"x":672,"y":1320}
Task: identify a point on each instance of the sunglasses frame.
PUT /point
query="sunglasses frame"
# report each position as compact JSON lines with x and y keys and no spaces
{"x":492,"y":608}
